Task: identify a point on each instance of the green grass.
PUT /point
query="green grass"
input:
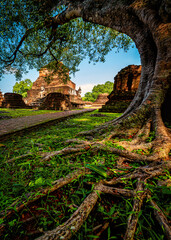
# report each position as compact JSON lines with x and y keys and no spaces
{"x":30,"y":173}
{"x":27,"y":175}
{"x":15,"y":113}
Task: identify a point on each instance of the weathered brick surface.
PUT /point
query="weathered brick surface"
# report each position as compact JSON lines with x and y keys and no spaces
{"x":56,"y":101}
{"x":13,"y":100}
{"x":101,"y":100}
{"x":1,"y":98}
{"x":125,"y":86}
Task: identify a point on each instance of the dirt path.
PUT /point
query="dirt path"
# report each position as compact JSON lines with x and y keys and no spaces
{"x":17,"y":124}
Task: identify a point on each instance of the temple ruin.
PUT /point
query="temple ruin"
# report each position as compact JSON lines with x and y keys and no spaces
{"x":125,"y":86}
{"x":49,"y":82}
{"x":101,"y":100}
{"x":13,"y":100}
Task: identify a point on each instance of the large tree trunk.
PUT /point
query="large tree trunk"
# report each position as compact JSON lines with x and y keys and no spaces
{"x":144,"y":23}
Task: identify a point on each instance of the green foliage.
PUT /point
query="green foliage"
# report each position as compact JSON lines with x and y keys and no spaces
{"x":151,"y":137}
{"x":107,"y":87}
{"x":98,"y":169}
{"x":43,"y":42}
{"x":22,"y":87}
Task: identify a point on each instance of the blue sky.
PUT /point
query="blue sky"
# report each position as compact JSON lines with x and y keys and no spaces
{"x":89,"y":74}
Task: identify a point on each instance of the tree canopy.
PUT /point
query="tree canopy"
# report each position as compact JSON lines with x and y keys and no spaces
{"x":29,"y":39}
{"x":107,"y":87}
{"x":22,"y":87}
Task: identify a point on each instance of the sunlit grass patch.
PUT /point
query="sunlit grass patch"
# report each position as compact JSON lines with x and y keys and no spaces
{"x":15,"y":113}
{"x":82,"y":120}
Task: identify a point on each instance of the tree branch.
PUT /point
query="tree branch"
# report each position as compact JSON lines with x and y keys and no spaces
{"x":14,"y":55}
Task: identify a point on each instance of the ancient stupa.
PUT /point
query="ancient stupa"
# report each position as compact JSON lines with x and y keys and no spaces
{"x":53,"y":82}
{"x":125,"y":86}
{"x":101,"y":100}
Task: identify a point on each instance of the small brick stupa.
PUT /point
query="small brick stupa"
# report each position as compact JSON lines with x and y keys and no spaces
{"x":125,"y":86}
{"x":101,"y":100}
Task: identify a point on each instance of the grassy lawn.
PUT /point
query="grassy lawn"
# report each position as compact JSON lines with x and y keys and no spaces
{"x":23,"y":177}
{"x":14,"y":113}
{"x":25,"y":171}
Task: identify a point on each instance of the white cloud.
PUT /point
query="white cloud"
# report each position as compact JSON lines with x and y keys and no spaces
{"x":86,"y":88}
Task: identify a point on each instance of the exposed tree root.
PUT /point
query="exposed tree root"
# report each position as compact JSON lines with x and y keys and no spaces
{"x":133,"y":218}
{"x":18,"y":157}
{"x":161,"y":218}
{"x":139,"y":125}
{"x":100,"y":146}
{"x":19,"y":205}
{"x":157,"y":165}
{"x":116,"y":191}
{"x":160,"y":148}
{"x":141,"y":172}
{"x":81,"y":147}
{"x":73,"y":224}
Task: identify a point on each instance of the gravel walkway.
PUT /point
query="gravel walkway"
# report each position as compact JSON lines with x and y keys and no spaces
{"x":17,"y":124}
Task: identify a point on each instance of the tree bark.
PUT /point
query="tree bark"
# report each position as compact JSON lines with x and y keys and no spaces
{"x":151,"y":32}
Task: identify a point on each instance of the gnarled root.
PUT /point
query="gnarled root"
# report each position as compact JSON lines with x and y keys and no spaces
{"x":73,"y":224}
{"x":144,"y":127}
{"x":133,"y":218}
{"x":161,"y":218}
{"x":146,"y":172}
{"x":80,"y":148}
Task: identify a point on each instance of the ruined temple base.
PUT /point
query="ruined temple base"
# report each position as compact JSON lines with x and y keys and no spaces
{"x":118,"y":101}
{"x":56,"y":101}
{"x":13,"y":100}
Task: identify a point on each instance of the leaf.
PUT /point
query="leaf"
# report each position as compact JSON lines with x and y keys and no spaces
{"x":97,"y":169}
{"x":112,"y":210}
{"x":39,"y":181}
{"x":92,"y":236}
